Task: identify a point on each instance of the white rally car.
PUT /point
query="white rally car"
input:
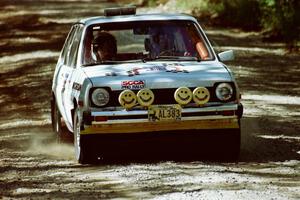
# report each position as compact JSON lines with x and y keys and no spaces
{"x":125,"y":73}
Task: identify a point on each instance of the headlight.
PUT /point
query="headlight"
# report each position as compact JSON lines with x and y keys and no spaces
{"x":224,"y":91}
{"x":127,"y":99}
{"x":100,"y":97}
{"x":145,"y":97}
{"x":183,"y":95}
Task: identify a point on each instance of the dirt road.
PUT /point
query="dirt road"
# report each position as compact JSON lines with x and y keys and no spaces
{"x":32,"y":165}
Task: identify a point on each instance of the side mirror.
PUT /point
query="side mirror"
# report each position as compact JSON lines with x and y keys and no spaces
{"x":226,"y":55}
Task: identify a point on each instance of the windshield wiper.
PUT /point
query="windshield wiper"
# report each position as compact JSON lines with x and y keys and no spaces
{"x":101,"y":63}
{"x":107,"y":62}
{"x":182,"y":58}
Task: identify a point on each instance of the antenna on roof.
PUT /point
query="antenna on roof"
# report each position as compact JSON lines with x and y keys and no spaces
{"x":120,"y":11}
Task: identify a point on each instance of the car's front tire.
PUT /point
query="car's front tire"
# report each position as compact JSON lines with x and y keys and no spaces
{"x":56,"y":121}
{"x":230,"y":150}
{"x":83,"y":151}
{"x":236,"y":147}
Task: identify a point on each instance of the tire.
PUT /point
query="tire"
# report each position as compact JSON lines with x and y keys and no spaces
{"x":83,"y":150}
{"x":52,"y":113}
{"x":56,"y":121}
{"x":233,"y":145}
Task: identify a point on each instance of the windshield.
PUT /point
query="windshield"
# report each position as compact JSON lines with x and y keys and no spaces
{"x":145,"y":40}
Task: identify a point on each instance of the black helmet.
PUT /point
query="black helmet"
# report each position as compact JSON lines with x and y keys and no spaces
{"x":105,"y":40}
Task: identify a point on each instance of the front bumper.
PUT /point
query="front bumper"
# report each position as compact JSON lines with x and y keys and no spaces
{"x":122,"y":121}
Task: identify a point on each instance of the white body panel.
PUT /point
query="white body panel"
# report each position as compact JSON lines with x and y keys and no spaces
{"x":159,"y":74}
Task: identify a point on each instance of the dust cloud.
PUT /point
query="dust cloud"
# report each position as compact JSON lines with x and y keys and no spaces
{"x":48,"y":146}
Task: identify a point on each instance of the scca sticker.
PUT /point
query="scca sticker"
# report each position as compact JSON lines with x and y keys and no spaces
{"x":133,"y":85}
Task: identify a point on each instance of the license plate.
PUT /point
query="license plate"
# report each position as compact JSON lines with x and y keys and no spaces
{"x":164,"y":113}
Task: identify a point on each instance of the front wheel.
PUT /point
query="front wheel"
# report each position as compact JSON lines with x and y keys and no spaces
{"x":83,"y":150}
{"x":231,"y":150}
{"x":56,"y":121}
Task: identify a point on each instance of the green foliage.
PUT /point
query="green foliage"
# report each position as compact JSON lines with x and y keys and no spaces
{"x":152,"y":3}
{"x":281,"y":19}
{"x":199,"y":8}
{"x":244,"y":14}
{"x":239,"y":13}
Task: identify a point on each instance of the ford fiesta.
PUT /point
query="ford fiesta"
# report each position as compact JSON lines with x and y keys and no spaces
{"x":127,"y":74}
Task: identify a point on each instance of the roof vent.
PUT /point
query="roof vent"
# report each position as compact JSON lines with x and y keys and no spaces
{"x":120,"y":11}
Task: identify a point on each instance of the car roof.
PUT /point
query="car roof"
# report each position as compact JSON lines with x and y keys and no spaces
{"x":137,"y":17}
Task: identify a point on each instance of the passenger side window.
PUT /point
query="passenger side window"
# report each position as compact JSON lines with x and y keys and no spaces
{"x":67,"y":45}
{"x":73,"y":55}
{"x":68,"y":56}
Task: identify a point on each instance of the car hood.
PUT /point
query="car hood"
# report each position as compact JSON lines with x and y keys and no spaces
{"x":157,"y":75}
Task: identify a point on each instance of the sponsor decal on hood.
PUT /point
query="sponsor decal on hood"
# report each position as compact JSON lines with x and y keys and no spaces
{"x":170,"y":67}
{"x":133,"y":85}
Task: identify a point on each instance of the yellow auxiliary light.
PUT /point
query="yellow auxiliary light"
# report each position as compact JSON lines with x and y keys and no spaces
{"x":127,"y":99}
{"x":145,"y":97}
{"x":201,"y":95}
{"x":183,"y":95}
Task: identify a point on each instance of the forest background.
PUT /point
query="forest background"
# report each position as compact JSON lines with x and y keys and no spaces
{"x":277,"y":20}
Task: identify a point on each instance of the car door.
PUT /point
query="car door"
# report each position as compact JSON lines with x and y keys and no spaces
{"x":59,"y":81}
{"x":69,"y":71}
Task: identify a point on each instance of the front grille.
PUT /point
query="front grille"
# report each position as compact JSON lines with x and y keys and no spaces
{"x":162,"y":96}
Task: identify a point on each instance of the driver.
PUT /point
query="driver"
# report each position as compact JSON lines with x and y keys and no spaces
{"x":161,"y":44}
{"x":105,"y":47}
